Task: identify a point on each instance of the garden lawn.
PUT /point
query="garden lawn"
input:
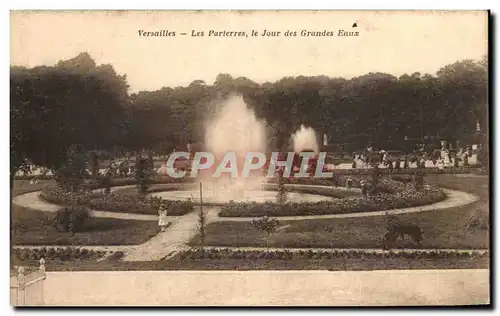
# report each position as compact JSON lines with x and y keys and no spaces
{"x":32,"y":227}
{"x":444,"y":228}
{"x":24,"y":186}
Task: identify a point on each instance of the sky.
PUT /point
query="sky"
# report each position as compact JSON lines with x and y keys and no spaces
{"x":394,"y":42}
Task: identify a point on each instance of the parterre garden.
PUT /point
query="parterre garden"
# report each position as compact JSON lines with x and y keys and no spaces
{"x":450,"y":228}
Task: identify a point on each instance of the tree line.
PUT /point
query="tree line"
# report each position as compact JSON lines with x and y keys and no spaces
{"x":79,"y":102}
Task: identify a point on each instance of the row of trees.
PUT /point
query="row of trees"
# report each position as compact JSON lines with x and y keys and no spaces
{"x":79,"y":102}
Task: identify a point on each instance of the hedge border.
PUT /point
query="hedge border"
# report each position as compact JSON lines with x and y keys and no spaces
{"x":61,"y":253}
{"x":338,"y":206}
{"x":312,"y":254}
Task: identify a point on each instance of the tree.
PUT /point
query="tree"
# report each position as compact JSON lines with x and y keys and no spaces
{"x":201,"y":227}
{"x":78,"y":101}
{"x":94,"y":164}
{"x":70,"y":176}
{"x":281,"y":196}
{"x":52,"y":108}
{"x":419,"y":178}
{"x":142,"y":175}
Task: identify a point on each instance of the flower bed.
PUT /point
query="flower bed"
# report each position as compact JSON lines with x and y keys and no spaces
{"x":211,"y":253}
{"x":396,"y":195}
{"x":116,"y":202}
{"x":63,"y":254}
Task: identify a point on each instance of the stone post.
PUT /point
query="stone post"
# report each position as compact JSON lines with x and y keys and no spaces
{"x":21,"y":293}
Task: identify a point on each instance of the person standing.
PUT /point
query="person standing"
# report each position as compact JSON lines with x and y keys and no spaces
{"x":466,"y":159}
{"x":406,"y":164}
{"x":364,"y":188}
{"x":162,"y":218}
{"x":348,"y":183}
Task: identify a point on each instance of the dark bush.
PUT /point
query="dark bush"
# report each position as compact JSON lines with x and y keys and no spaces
{"x":71,"y":218}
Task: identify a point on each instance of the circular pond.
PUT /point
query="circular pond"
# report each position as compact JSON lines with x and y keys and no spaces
{"x":259,"y":196}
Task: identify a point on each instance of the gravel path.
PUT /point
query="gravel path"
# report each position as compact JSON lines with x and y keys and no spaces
{"x":174,"y":239}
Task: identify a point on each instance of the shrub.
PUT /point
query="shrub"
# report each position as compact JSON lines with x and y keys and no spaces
{"x":478,"y":220}
{"x":269,"y":225}
{"x":142,"y":175}
{"x":117,"y":255}
{"x":71,"y":219}
{"x":71,"y":174}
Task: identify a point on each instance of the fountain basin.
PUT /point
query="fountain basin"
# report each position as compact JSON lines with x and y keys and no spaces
{"x":224,"y":197}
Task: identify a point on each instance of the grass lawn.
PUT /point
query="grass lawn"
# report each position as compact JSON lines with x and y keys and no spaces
{"x":442,"y":228}
{"x":24,"y":186}
{"x":266,"y":264}
{"x":32,"y":227}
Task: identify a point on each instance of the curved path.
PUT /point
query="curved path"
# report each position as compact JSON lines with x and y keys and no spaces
{"x":184,"y":228}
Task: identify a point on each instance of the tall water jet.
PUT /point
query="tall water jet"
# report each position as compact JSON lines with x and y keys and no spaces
{"x":235,"y":128}
{"x":305,"y":139}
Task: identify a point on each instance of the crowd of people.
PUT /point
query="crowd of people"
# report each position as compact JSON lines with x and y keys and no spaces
{"x":441,"y":159}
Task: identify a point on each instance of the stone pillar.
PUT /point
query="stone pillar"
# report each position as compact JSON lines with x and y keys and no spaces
{"x":21,"y":289}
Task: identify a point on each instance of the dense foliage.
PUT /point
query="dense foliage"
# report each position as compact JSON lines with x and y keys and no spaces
{"x":71,"y":218}
{"x":266,"y":224}
{"x":79,"y":102}
{"x":71,"y":174}
{"x":142,"y":174}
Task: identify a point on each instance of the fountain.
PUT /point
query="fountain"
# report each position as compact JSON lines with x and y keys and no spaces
{"x":235,"y":128}
{"x":305,"y":140}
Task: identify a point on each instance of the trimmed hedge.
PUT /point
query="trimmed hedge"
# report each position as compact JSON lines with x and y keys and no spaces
{"x":400,"y":196}
{"x":226,"y":253}
{"x":64,"y":254}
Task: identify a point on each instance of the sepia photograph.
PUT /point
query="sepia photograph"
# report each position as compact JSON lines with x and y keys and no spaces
{"x":249,"y":158}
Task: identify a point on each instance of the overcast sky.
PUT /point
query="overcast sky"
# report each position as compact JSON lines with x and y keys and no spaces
{"x":391,"y":42}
